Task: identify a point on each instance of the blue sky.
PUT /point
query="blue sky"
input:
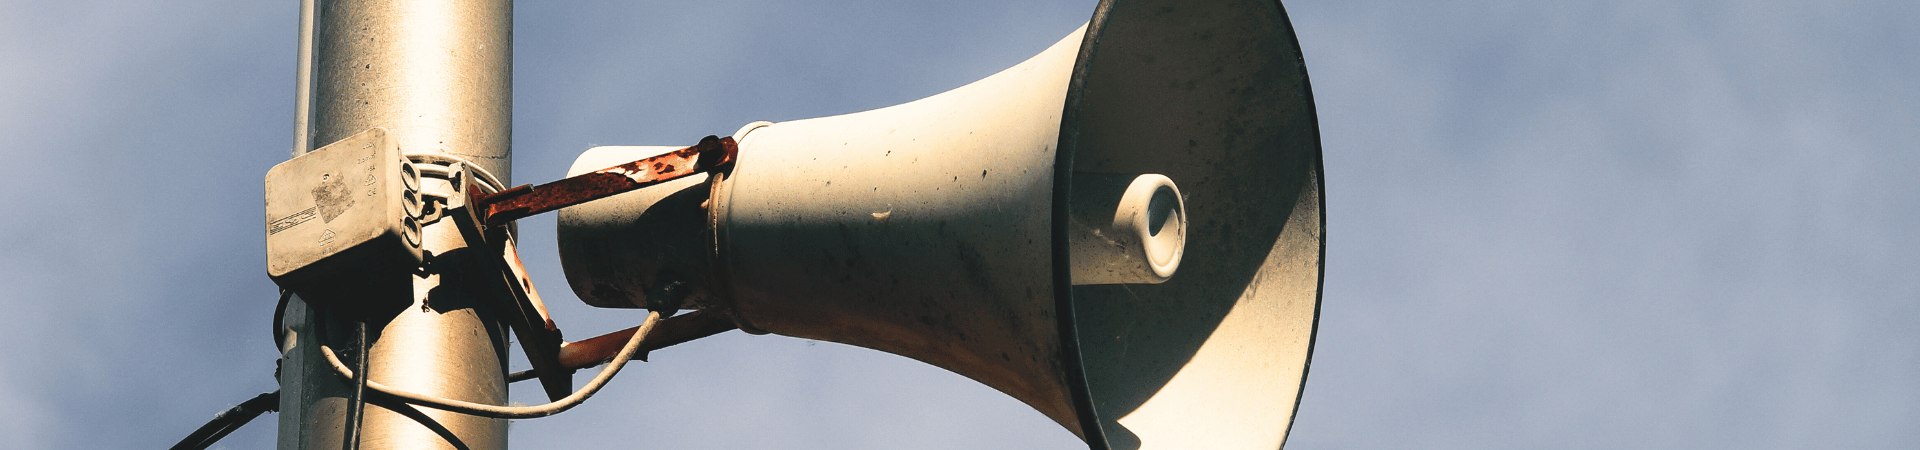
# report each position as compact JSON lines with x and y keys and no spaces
{"x":1574,"y":224}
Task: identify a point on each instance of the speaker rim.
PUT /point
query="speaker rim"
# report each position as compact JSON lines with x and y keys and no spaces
{"x":1078,"y":388}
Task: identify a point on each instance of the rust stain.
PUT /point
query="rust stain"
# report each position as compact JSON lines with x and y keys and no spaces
{"x":711,"y":153}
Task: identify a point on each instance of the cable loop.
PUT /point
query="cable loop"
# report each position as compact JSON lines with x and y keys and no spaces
{"x":437,"y":164}
{"x":508,"y":412}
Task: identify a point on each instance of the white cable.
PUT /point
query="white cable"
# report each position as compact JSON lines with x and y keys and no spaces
{"x":509,"y":412}
{"x":488,"y":182}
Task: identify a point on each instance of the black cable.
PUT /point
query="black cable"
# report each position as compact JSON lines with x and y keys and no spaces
{"x":237,"y":416}
{"x":357,"y":407}
{"x":229,"y":420}
{"x":279,"y":314}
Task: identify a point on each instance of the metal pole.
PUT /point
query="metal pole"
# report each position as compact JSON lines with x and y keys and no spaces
{"x":437,"y":74}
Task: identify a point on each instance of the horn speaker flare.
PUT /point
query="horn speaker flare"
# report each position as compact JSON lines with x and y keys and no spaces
{"x":1124,"y":231}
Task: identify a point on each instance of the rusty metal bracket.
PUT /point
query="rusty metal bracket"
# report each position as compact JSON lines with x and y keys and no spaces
{"x":499,"y":266}
{"x":669,"y":332}
{"x":526,"y":200}
{"x":479,"y":216}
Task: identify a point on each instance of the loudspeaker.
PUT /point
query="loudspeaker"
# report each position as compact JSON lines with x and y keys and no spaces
{"x":1124,"y":232}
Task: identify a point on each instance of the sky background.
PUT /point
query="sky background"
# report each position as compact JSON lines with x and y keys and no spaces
{"x":1572,"y":224}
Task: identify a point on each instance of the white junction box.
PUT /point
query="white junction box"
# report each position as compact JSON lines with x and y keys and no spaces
{"x":341,"y":215}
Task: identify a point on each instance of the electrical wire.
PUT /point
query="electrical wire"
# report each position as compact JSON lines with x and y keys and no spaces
{"x":488,"y":183}
{"x":507,"y":412}
{"x":280,"y":329}
{"x":358,"y":405}
{"x":237,"y":416}
{"x":229,"y":420}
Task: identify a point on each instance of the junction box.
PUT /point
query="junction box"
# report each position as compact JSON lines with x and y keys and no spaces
{"x":344,"y":221}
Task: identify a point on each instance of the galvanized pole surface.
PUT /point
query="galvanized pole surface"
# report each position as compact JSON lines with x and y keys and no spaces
{"x":437,"y":74}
